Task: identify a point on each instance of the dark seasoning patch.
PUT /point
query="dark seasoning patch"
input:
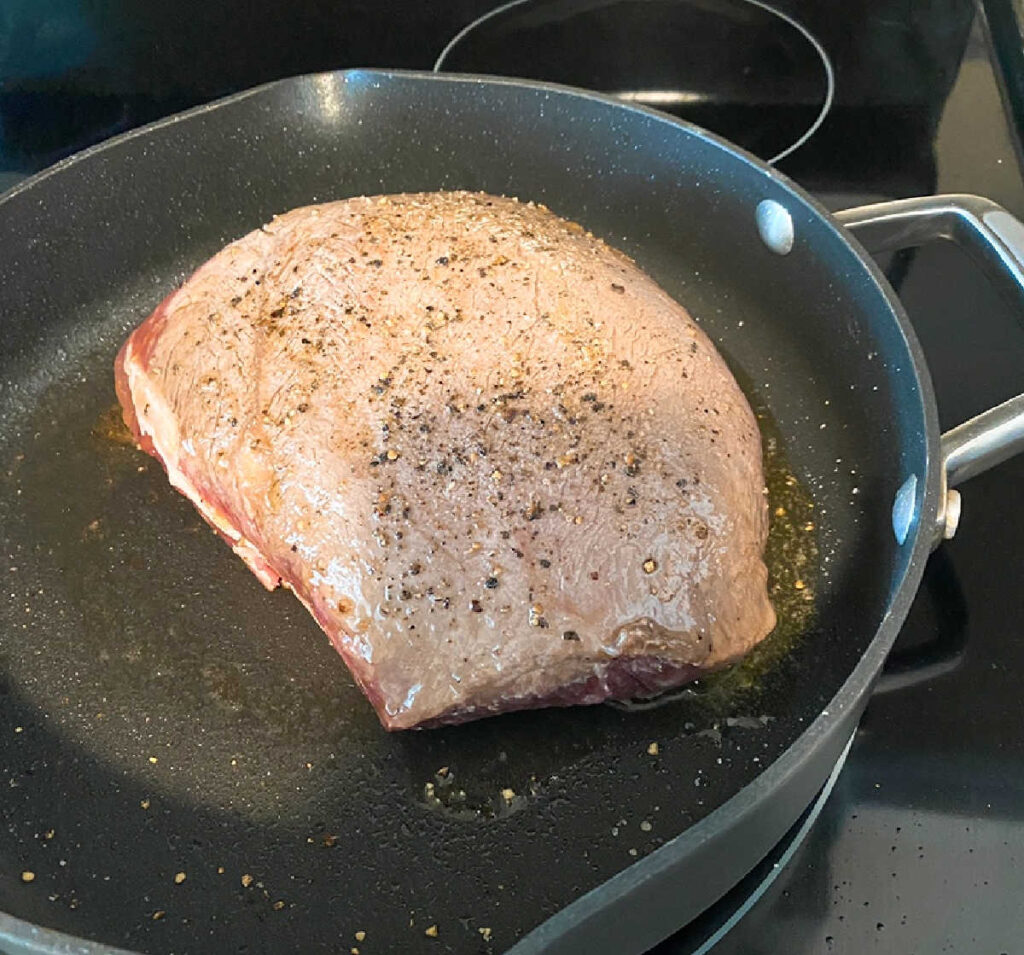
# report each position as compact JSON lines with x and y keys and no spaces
{"x":731,"y":709}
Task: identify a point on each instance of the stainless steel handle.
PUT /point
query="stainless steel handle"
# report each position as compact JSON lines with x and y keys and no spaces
{"x":995,"y":240}
{"x":984,"y":441}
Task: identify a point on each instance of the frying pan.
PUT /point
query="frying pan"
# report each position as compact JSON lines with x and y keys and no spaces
{"x":187,"y":766}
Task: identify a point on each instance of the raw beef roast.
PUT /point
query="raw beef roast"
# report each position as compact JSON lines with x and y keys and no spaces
{"x":499,"y":465}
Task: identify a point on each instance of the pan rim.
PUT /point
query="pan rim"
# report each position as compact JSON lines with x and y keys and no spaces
{"x":854,"y":690}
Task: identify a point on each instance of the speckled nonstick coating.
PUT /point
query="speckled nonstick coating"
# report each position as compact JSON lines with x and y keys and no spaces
{"x":162,"y":714}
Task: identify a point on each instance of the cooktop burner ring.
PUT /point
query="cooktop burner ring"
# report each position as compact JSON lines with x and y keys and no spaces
{"x":639,"y":97}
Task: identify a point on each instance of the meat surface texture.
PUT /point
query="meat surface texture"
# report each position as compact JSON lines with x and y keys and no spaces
{"x":499,"y":465}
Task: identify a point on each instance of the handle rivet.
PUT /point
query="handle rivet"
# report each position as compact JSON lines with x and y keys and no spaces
{"x":775,"y":226}
{"x":951,"y":515}
{"x":904,"y":509}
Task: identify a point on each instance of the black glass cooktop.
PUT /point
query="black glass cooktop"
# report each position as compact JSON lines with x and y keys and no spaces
{"x":920,"y":845}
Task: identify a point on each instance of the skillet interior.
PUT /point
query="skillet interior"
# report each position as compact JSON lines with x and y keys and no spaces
{"x":128,"y":633}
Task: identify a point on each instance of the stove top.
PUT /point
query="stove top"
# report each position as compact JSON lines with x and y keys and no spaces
{"x":919,"y":846}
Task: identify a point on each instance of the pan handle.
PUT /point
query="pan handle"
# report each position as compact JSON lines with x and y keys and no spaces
{"x":995,"y":240}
